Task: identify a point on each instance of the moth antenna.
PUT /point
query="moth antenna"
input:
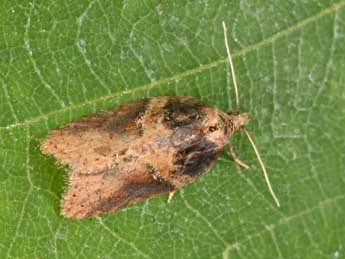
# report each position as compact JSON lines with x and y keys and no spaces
{"x":262,"y":165}
{"x":232,"y":68}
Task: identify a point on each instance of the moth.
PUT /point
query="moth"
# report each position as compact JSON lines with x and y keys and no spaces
{"x":142,"y":149}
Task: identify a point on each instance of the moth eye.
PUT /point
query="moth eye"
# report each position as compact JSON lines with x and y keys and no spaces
{"x":212,"y":128}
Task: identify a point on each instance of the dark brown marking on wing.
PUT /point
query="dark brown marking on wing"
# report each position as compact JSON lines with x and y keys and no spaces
{"x":126,"y":118}
{"x":103,"y":150}
{"x":86,"y":123}
{"x":110,"y":173}
{"x":89,"y":174}
{"x":131,"y":193}
{"x":182,"y":112}
{"x":196,"y":156}
{"x":129,"y":158}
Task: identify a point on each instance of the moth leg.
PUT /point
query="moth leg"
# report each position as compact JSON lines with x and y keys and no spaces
{"x":236,"y":159}
{"x":171,"y":195}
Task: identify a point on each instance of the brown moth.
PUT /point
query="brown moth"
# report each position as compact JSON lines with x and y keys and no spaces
{"x":140,"y":150}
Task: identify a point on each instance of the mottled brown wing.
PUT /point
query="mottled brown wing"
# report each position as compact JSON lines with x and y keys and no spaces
{"x":109,"y":191}
{"x":108,"y":168}
{"x":90,"y":144}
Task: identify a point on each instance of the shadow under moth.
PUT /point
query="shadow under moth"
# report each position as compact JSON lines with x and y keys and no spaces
{"x":142,"y":149}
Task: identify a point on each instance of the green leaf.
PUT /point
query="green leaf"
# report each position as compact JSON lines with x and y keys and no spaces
{"x":60,"y":60}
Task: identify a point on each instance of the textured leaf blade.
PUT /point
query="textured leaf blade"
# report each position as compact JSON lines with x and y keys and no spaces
{"x":62,"y":60}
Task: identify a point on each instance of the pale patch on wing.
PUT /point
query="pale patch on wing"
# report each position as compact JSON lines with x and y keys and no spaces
{"x":88,"y":151}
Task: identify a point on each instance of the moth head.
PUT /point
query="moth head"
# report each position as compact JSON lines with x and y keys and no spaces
{"x":220,"y":126}
{"x":238,"y":121}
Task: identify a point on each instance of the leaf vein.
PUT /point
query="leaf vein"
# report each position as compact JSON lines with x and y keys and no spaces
{"x":130,"y":244}
{"x":207,"y":222}
{"x":82,"y":51}
{"x":26,"y":199}
{"x":34,"y":64}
